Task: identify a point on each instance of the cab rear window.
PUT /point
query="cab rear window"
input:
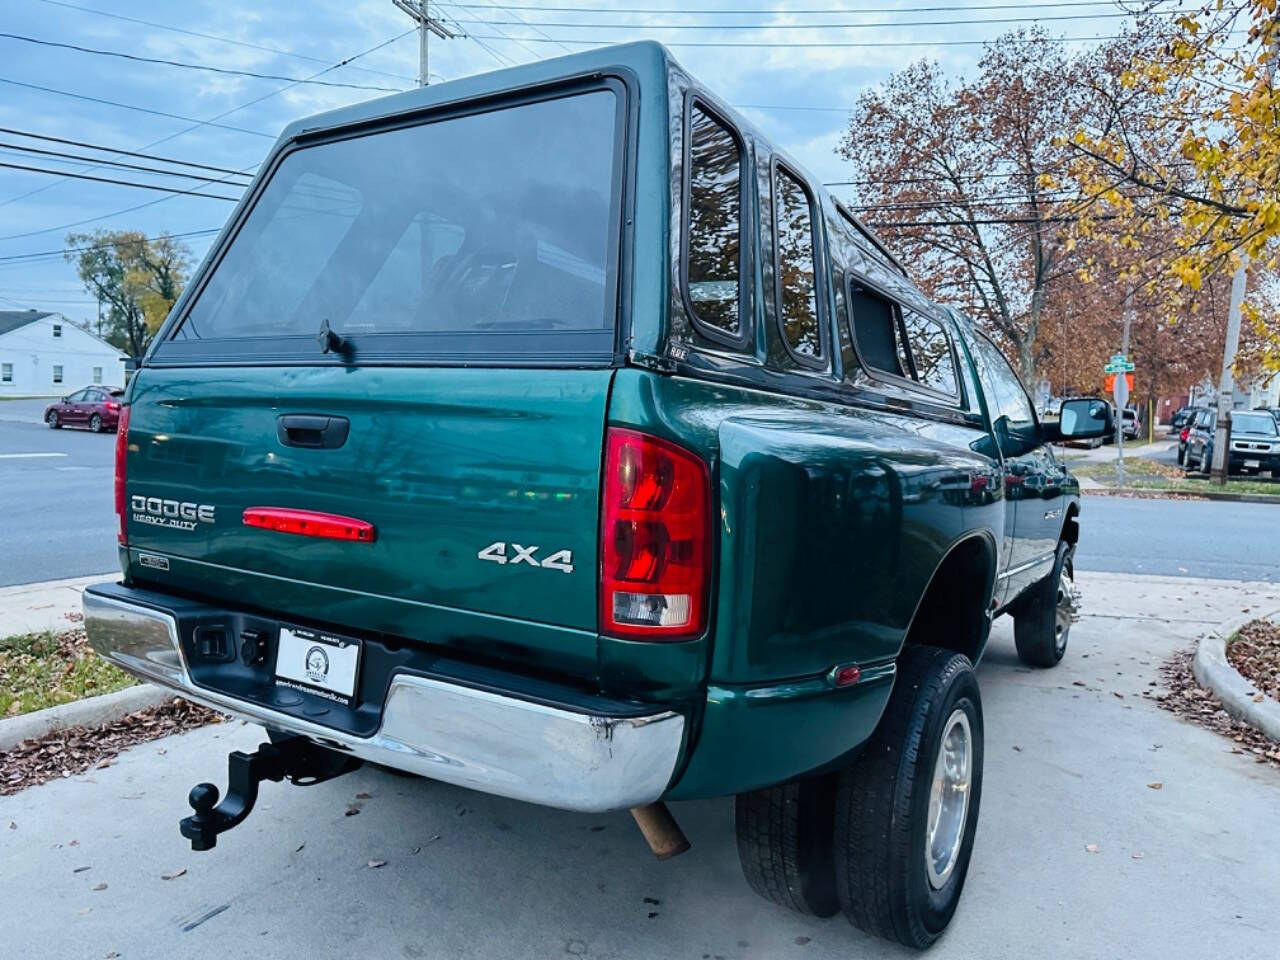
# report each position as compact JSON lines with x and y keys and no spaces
{"x":486,"y":233}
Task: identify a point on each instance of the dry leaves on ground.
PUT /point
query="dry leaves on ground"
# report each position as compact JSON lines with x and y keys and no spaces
{"x":65,"y":753}
{"x":1189,"y":700}
{"x":1255,"y":652}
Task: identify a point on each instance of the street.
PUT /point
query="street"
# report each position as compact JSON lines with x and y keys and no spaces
{"x":56,"y":495}
{"x":1078,"y":854}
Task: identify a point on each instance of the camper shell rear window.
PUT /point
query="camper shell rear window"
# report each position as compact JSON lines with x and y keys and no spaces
{"x":492,"y":233}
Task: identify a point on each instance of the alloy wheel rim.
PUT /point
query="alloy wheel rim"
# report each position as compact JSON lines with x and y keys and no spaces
{"x":949,"y":799}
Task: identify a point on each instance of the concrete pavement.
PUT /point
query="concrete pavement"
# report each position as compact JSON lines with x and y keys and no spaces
{"x":1186,"y":871}
{"x":37,"y":607}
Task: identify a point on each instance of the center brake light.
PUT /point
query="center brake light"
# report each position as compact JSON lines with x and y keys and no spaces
{"x":655,"y":539}
{"x":122,"y":453}
{"x":309,"y":523}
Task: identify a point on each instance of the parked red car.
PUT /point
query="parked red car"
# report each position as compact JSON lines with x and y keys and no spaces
{"x":97,"y":408}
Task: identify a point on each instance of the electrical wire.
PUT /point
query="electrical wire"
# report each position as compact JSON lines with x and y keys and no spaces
{"x":757,"y":11}
{"x":192,"y":66}
{"x":63,"y":157}
{"x":121,"y":183}
{"x":563,"y":24}
{"x":797,"y":45}
{"x":63,"y":251}
{"x":211,"y":36}
{"x":117,"y":151}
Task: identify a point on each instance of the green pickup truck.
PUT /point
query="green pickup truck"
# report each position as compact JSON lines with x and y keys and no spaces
{"x":553,"y":434}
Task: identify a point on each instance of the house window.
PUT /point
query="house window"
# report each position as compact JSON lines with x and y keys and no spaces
{"x":714,"y":247}
{"x":57,"y":373}
{"x":97,"y":374}
{"x":57,"y":329}
{"x":6,"y":372}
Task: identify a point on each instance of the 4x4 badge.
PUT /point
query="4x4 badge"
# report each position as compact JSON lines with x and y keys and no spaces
{"x":561,"y":560}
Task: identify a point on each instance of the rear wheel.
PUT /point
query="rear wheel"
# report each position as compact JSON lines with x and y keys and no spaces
{"x":51,"y":418}
{"x":784,"y":844}
{"x":907,"y":810}
{"x":1042,"y":622}
{"x":95,"y":423}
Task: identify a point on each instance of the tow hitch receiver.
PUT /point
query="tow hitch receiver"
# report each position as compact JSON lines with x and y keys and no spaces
{"x":297,"y":758}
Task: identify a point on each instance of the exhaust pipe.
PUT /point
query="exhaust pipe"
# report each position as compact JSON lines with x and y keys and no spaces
{"x":661,"y":832}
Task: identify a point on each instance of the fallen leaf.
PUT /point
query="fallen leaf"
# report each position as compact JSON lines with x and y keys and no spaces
{"x":174,"y":875}
{"x":351,"y":811}
{"x":1091,"y":847}
{"x":653,"y":901}
{"x":415,"y":851}
{"x":1018,"y":748}
{"x":801,"y":941}
{"x":12,"y":825}
{"x":1156,"y":786}
{"x":81,"y":869}
{"x":1138,"y":855}
{"x":652,"y":914}
{"x":375,"y":864}
{"x":100,"y":886}
{"x":364,"y":796}
{"x":299,"y":847}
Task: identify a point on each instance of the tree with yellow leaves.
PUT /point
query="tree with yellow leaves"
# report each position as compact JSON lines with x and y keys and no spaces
{"x":1182,"y":164}
{"x":137,"y":277}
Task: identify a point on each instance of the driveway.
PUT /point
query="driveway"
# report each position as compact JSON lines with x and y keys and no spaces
{"x":1188,"y":870}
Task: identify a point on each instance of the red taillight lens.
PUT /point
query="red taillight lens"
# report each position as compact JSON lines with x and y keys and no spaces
{"x":112,"y":405}
{"x":1185,"y":433}
{"x":122,"y":454}
{"x":655,"y":538}
{"x":309,"y":523}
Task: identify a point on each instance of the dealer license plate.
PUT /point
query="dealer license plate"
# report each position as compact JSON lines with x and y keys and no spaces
{"x":317,"y":662}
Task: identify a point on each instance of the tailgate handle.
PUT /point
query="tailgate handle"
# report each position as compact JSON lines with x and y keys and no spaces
{"x":316,"y":431}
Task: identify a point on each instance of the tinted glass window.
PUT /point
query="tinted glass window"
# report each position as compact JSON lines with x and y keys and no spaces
{"x":875,"y":331}
{"x":488,"y":224}
{"x":715,"y":216}
{"x":1005,"y":394}
{"x":796,"y":279}
{"x":931,"y":352}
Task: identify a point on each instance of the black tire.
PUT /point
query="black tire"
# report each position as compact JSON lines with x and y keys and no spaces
{"x":785,"y":844}
{"x":1206,"y":466}
{"x":1182,"y":455}
{"x":95,"y":423}
{"x":51,"y":418}
{"x":883,"y":803}
{"x":1043,"y":618}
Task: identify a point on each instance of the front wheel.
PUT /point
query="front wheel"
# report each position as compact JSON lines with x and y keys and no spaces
{"x":95,"y":423}
{"x":51,"y":418}
{"x":1042,"y":622}
{"x":907,"y":810}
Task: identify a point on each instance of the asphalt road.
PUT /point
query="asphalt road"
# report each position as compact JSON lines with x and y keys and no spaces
{"x":55,"y":492}
{"x":1077,"y":854}
{"x":55,"y":497}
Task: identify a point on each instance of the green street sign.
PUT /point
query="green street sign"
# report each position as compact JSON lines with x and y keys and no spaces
{"x":1119,"y":364}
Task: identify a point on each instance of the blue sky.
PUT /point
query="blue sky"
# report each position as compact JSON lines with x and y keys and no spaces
{"x":798,"y":95}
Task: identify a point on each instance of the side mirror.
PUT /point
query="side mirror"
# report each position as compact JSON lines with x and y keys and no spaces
{"x":1085,"y":419}
{"x":66,"y":399}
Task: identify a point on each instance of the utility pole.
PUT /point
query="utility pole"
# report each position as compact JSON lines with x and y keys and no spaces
{"x":427,"y":24}
{"x":1121,"y":391}
{"x":1219,"y":469}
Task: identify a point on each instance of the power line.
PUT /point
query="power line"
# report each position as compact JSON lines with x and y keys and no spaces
{"x":59,"y":253}
{"x":756,"y":11}
{"x":727,"y":27}
{"x":119,"y":151}
{"x":134,"y":107}
{"x":192,"y":66}
{"x":64,"y":157}
{"x":211,"y":36}
{"x":121,"y":183}
{"x":195,"y":126}
{"x":798,"y":45}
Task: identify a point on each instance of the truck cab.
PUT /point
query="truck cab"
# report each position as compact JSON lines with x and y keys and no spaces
{"x":552,"y":433}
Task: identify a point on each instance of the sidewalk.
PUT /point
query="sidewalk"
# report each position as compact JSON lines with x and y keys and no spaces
{"x":36,"y":607}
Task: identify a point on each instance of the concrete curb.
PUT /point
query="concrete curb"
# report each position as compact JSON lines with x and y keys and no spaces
{"x":1155,"y":494}
{"x":1213,"y":670}
{"x":94,"y":711}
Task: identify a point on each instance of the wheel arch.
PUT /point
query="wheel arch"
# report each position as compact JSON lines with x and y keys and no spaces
{"x":963,"y":582}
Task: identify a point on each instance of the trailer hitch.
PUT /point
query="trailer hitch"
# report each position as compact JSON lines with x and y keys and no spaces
{"x":301,"y":761}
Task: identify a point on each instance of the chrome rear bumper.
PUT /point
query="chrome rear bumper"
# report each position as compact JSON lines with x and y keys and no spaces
{"x":473,"y":738}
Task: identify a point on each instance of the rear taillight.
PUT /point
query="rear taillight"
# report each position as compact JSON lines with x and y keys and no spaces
{"x":112,"y":405}
{"x":122,"y":453}
{"x":655,"y":539}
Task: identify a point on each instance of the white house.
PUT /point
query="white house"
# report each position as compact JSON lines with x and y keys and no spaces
{"x":46,"y":355}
